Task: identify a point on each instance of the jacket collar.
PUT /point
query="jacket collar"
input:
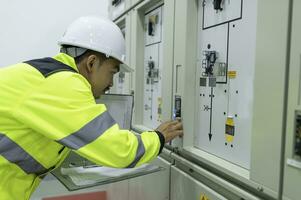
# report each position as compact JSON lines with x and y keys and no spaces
{"x":66,"y":59}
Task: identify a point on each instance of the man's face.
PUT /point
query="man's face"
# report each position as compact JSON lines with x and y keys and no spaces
{"x":101,"y":78}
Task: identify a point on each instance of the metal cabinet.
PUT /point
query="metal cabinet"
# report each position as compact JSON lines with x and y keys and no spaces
{"x":186,"y":187}
{"x":292,"y":158}
{"x":152,"y":186}
{"x":252,"y":154}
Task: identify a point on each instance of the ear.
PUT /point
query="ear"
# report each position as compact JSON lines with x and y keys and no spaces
{"x":91,"y":62}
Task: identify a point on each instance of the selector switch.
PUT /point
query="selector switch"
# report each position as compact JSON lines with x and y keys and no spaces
{"x":217,"y":4}
{"x":152,"y":74}
{"x":177,"y":108}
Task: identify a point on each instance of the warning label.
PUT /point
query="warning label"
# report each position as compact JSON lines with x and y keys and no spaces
{"x":204,"y":197}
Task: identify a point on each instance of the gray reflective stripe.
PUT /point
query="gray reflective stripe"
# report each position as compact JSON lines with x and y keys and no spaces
{"x":140,"y":152}
{"x":89,"y":132}
{"x":15,"y":154}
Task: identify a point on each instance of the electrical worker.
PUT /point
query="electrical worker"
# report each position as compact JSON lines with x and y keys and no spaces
{"x":47,"y":108}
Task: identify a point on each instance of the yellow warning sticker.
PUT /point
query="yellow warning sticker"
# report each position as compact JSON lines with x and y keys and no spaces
{"x":153,"y":19}
{"x":232,"y":74}
{"x":204,"y":197}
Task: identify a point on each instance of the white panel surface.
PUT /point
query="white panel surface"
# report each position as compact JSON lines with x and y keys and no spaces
{"x":152,"y":88}
{"x":117,"y":10}
{"x":213,"y":17}
{"x":153,"y":26}
{"x":121,"y":79}
{"x":234,"y":44}
{"x":153,"y":61}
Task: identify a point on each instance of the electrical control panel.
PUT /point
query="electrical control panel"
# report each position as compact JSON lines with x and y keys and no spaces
{"x":153,"y":61}
{"x":219,"y":12}
{"x":225,"y":72}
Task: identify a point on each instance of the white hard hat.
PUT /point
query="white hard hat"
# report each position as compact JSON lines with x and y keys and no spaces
{"x":98,"y":34}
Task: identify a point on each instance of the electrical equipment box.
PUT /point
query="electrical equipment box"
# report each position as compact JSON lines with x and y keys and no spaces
{"x":292,"y":158}
{"x":186,"y":187}
{"x":227,"y":89}
{"x":152,"y":55}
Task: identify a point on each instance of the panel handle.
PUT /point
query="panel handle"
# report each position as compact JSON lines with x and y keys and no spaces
{"x":177,"y":71}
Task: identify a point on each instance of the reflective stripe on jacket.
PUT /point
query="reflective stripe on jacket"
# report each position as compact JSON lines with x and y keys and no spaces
{"x":46,"y":104}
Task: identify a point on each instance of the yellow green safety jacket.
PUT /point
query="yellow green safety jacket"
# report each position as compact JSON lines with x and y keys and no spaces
{"x":46,"y":105}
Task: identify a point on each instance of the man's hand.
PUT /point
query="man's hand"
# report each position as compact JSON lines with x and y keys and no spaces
{"x":171,"y":129}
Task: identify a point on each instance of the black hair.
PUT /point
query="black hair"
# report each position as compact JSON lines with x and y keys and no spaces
{"x":89,"y":52}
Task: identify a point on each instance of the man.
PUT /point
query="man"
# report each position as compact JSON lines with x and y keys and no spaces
{"x":47,"y":107}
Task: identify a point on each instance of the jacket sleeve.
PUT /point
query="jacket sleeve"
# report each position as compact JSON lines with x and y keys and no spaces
{"x":67,"y":113}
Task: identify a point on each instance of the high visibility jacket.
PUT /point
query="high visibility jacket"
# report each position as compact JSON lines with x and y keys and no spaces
{"x":46,"y":105}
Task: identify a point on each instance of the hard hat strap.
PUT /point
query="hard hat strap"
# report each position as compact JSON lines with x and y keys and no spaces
{"x":73,"y":51}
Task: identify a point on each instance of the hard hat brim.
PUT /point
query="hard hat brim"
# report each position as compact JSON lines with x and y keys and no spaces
{"x":125,"y":68}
